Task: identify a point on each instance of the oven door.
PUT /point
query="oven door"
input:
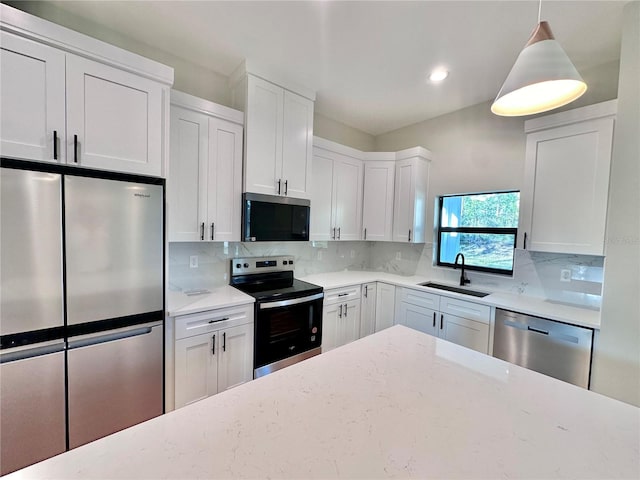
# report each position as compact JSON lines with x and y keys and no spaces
{"x":286,"y":328}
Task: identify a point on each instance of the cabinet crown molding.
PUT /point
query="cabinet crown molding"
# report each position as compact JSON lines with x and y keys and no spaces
{"x":590,"y":112}
{"x":332,"y":146}
{"x":207,"y":107}
{"x":267,"y":74}
{"x":34,"y":28}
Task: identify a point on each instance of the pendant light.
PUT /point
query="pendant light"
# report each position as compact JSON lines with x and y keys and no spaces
{"x":543,"y":77}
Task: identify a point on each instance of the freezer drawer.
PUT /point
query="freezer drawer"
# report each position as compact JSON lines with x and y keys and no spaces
{"x":556,"y":349}
{"x":115,"y":381}
{"x":32,"y":407}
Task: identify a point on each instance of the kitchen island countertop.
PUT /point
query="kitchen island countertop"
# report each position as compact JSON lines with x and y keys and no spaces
{"x":398,"y":403}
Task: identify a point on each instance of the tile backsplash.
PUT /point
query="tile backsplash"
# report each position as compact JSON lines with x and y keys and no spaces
{"x":536,"y":274}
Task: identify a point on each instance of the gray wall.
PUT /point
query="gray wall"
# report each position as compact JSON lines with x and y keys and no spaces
{"x":616,"y":366}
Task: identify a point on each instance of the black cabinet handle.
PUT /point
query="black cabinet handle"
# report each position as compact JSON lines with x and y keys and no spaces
{"x":279,"y":186}
{"x":525,"y":240}
{"x":213,"y":225}
{"x":338,"y":233}
{"x":365,"y":233}
{"x":219,"y":320}
{"x":55,"y":145}
{"x":286,"y":187}
{"x":202,"y":231}
{"x":213,"y":345}
{"x":334,"y":233}
{"x":441,"y":321}
{"x":224,"y":341}
{"x":434,"y":319}
{"x":75,"y":148}
{"x":366,"y":288}
{"x":409,"y":234}
{"x":343,"y":294}
{"x":340,"y":314}
{"x":346,"y":310}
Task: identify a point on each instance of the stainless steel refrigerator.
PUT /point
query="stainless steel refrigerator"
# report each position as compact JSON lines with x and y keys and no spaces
{"x":81,"y":307}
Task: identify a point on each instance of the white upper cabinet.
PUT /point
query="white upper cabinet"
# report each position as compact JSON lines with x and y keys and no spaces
{"x":565,"y":192}
{"x":410,"y":196}
{"x":336,"y":193}
{"x":79,"y":101}
{"x":114,"y":118}
{"x":204,"y":184}
{"x":32,"y":102}
{"x":279,"y":138}
{"x":377,"y":207}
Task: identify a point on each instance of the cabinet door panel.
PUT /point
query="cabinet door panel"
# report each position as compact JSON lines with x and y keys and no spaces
{"x":32,"y":96}
{"x":117,"y":117}
{"x":368,"y":310}
{"x":567,"y":183}
{"x":236,"y":357}
{"x":196,"y":368}
{"x":347,"y":182}
{"x":404,"y":201}
{"x":187,"y":180}
{"x":297,"y":145}
{"x":330,"y":325}
{"x":225,"y":181}
{"x":419,"y":318}
{"x":377,"y":207}
{"x":264,"y":123}
{"x":350,"y":326}
{"x":465,"y":332}
{"x":321,"y":227}
{"x":385,"y":306}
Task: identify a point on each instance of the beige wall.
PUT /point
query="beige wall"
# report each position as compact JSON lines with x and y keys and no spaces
{"x":616,"y":363}
{"x":339,"y":132}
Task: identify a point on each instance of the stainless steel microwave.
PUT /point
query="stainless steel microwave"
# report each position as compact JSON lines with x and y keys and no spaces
{"x":270,"y":218}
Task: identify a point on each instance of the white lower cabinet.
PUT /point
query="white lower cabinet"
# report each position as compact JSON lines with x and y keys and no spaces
{"x":340,"y":317}
{"x":458,"y":321}
{"x":385,"y":306}
{"x":213,"y":352}
{"x":368,"y":309}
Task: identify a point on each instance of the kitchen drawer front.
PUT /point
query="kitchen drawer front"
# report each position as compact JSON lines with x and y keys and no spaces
{"x":341,"y":295}
{"x":211,"y":320}
{"x":461,"y":308}
{"x":421,"y":299}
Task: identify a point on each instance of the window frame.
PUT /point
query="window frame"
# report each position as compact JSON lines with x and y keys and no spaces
{"x":474,"y":230}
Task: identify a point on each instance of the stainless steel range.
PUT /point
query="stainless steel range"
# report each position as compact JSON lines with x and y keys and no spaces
{"x":288,"y":312}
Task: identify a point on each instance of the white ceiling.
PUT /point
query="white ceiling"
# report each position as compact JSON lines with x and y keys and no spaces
{"x":368,"y":61}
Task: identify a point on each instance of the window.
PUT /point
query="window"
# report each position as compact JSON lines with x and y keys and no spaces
{"x":481,"y":226}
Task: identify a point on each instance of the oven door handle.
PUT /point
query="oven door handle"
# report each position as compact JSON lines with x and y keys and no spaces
{"x":293,"y":301}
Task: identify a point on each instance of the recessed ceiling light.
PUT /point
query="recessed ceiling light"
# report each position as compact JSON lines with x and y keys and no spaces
{"x":438,"y":75}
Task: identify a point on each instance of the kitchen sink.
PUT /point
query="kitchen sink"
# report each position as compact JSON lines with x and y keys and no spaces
{"x":454,"y":289}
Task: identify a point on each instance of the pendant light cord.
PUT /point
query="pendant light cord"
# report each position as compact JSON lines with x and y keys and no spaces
{"x":539,"y":10}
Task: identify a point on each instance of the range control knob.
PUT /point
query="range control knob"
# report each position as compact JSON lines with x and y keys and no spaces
{"x":290,"y":262}
{"x":238,"y":265}
{"x":284,"y":262}
{"x":246,"y":265}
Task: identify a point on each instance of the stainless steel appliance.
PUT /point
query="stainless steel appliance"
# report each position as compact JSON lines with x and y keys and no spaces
{"x":556,"y":349}
{"x":81,"y":307}
{"x":288,"y":312}
{"x":267,"y":218}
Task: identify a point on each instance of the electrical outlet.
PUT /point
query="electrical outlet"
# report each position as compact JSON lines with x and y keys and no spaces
{"x":193,"y":261}
{"x":398,"y":255}
{"x":319,"y":254}
{"x":353,"y":253}
{"x":565,"y":275}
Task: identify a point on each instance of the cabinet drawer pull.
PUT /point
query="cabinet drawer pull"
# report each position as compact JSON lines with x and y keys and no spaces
{"x":213,"y":226}
{"x":75,"y":148}
{"x":213,"y":345}
{"x":55,"y":145}
{"x":202,"y":231}
{"x":343,"y":294}
{"x":219,"y":320}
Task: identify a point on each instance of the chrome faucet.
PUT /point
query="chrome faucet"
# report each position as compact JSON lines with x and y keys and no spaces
{"x":463,"y":278}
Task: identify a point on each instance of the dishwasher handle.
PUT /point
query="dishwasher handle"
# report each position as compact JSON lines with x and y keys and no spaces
{"x":531,"y":329}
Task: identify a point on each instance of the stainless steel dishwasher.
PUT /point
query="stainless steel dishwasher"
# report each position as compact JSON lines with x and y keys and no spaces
{"x":556,"y":349}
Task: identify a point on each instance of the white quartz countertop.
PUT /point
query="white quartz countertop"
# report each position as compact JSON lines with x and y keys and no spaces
{"x":398,"y":404}
{"x":179,"y":303}
{"x":584,"y":317}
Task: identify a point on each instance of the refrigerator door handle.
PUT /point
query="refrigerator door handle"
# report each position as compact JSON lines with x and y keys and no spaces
{"x":110,"y":337}
{"x":22,"y":354}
